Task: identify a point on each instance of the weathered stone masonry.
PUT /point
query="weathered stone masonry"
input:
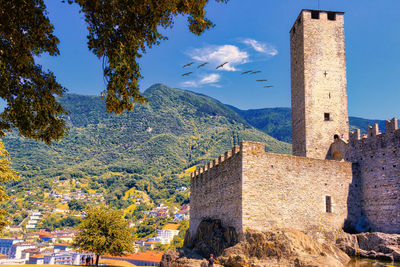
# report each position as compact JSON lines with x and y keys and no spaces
{"x":263,"y":190}
{"x":216,"y":191}
{"x":377,"y":156}
{"x":289,"y":191}
{"x":318,"y":82}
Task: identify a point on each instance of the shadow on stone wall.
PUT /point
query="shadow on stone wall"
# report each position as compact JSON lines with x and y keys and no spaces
{"x":354,"y":209}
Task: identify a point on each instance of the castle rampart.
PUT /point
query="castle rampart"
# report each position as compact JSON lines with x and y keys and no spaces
{"x":297,"y":192}
{"x":254,"y":189}
{"x":216,"y":191}
{"x":378,"y":158}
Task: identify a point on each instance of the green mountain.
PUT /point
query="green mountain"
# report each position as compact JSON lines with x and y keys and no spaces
{"x":177,"y":129}
{"x":277,"y":122}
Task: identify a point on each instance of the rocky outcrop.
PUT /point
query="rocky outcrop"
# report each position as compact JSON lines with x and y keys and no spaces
{"x":278,"y":247}
{"x":282,"y":247}
{"x":171,"y":258}
{"x":371,"y":245}
{"x":211,"y":238}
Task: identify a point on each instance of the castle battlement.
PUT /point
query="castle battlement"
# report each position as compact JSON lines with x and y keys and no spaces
{"x":376,"y":156}
{"x":227,"y":156}
{"x":242,"y":184}
{"x":355,"y":137}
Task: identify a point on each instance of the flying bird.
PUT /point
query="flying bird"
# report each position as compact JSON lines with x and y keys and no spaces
{"x":268,"y":86}
{"x":246,"y":72}
{"x":202,"y":65}
{"x":254,"y":72}
{"x":220,"y":66}
{"x":261,"y":80}
{"x":187,"y":65}
{"x":187,"y":73}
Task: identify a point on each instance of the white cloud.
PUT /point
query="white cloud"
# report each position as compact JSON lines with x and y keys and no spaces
{"x":217,"y":55}
{"x":263,"y":48}
{"x":210,"y":79}
{"x":189,"y":84}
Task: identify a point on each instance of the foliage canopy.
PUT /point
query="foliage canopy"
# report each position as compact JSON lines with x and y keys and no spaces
{"x":6,"y":174}
{"x":119,"y":33}
{"x":104,"y":231}
{"x":26,"y":32}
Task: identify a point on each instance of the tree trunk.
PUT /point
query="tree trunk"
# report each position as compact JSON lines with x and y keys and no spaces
{"x":97,"y":260}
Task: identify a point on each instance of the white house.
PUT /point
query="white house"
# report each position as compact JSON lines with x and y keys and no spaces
{"x":6,"y":244}
{"x":167,"y":233}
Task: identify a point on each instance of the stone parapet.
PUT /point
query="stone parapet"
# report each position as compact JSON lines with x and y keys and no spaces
{"x":377,"y":156}
{"x":372,"y":131}
{"x":220,"y":160}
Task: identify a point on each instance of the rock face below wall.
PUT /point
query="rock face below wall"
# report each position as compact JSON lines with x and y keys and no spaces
{"x":211,"y":238}
{"x":279,"y":247}
{"x":371,"y":245}
{"x":282,"y":247}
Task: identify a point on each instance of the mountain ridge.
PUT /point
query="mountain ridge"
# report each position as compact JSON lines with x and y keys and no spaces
{"x":177,"y":129}
{"x":149,"y":147}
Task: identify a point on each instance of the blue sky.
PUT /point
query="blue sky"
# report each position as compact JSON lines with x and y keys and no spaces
{"x":251,"y":35}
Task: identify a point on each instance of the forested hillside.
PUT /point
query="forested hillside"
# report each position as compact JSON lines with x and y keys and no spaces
{"x":148,"y":149}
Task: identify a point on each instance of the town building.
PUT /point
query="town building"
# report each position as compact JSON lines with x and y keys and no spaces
{"x":6,"y":245}
{"x":34,"y":219}
{"x":18,"y":248}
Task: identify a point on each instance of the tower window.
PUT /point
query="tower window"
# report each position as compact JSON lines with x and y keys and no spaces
{"x":315,"y":14}
{"x":328,"y":202}
{"x":331,"y":16}
{"x":327,"y":117}
{"x":294,"y":30}
{"x":299,"y":21}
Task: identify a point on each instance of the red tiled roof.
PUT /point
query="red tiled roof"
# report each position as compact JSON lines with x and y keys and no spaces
{"x":45,"y":234}
{"x":37,"y":256}
{"x":149,"y":256}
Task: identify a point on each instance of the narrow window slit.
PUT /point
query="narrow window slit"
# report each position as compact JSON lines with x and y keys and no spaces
{"x":328,"y":201}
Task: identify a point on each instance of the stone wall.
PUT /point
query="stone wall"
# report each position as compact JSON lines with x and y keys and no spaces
{"x":319,"y":83}
{"x":289,"y":191}
{"x":249,"y":188}
{"x":297,"y":88}
{"x":216,"y":191}
{"x":378,"y":158}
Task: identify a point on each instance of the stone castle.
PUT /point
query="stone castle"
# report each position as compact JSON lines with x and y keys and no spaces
{"x":334,"y":180}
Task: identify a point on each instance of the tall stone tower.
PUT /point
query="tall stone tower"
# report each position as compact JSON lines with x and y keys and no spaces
{"x":318,"y":81}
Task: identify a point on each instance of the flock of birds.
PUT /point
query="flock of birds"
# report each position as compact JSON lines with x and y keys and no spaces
{"x":223,"y":64}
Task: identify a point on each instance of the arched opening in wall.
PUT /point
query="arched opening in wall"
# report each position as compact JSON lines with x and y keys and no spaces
{"x":336,"y":137}
{"x":337,"y":155}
